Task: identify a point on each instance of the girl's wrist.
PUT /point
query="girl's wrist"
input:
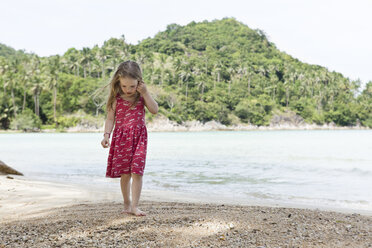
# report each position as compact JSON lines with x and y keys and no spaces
{"x":109,"y":134}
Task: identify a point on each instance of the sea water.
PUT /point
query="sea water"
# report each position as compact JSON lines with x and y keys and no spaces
{"x":315,"y":167}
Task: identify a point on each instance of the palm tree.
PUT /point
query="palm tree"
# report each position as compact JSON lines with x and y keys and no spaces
{"x":85,"y":60}
{"x":184,"y":76}
{"x":26,"y":77}
{"x":123,"y":50}
{"x":217,"y":71}
{"x":96,"y":68}
{"x":188,"y":74}
{"x":37,"y":84}
{"x":72,"y":61}
{"x":53,"y":69}
{"x":4,"y":67}
{"x":201,"y":81}
{"x":250,"y":75}
{"x":183,"y":72}
{"x":11,"y":78}
{"x":162,"y":60}
{"x":290,"y":78}
{"x":102,"y":56}
{"x":232,"y":72}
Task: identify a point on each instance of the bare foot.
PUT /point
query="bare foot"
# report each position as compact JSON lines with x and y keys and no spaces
{"x":138,"y":212}
{"x":127,"y":209}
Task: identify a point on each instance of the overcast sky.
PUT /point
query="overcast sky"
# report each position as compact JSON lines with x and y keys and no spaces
{"x":334,"y":34}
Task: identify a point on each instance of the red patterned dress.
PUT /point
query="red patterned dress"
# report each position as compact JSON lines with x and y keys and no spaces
{"x":129,"y":140}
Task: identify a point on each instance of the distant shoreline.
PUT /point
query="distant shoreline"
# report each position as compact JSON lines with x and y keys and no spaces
{"x":160,"y":123}
{"x":165,"y":125}
{"x":266,"y":128}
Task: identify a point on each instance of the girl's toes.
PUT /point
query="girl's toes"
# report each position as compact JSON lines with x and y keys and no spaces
{"x":139,"y":213}
{"x":126,"y":211}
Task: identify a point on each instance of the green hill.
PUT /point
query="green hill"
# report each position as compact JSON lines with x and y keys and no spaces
{"x":6,"y":51}
{"x":219,"y":70}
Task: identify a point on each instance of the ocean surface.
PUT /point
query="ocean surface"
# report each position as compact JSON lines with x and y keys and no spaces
{"x":318,"y":167}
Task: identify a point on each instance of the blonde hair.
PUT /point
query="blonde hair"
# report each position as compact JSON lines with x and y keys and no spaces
{"x":126,"y":69}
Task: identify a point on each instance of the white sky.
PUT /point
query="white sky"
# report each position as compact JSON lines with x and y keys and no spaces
{"x":330,"y":33}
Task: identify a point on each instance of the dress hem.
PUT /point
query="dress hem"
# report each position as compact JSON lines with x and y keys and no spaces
{"x":125,"y":174}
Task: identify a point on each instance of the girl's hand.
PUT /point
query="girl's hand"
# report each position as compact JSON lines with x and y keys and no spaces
{"x":141,"y":87}
{"x":105,"y":142}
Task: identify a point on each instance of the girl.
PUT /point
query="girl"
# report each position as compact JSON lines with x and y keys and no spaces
{"x":127,"y":155}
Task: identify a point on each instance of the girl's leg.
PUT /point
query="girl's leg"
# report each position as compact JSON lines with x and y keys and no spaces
{"x":136,"y":193}
{"x":125,"y":190}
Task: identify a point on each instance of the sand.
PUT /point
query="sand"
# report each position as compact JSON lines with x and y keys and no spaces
{"x":45,"y":214}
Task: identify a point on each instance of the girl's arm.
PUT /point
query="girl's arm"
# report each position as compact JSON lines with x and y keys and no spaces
{"x":109,"y":124}
{"x":150,"y":103}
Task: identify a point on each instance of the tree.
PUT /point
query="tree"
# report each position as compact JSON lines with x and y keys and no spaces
{"x":232,"y":68}
{"x":26,"y":121}
{"x":37,"y":84}
{"x":51,"y":76}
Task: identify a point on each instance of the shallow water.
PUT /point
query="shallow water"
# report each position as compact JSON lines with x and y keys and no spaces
{"x":317,"y":167}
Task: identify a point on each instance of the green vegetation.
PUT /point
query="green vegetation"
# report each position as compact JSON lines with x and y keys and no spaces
{"x":220,"y":70}
{"x":26,"y":121}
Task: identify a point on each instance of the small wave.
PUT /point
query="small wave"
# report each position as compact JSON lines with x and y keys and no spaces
{"x":356,"y":171}
{"x":314,"y":201}
{"x":164,"y":185}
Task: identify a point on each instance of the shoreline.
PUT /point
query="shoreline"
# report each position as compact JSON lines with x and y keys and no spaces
{"x":162,"y":124}
{"x":46,"y":214}
{"x":23,"y":197}
{"x":200,"y":128}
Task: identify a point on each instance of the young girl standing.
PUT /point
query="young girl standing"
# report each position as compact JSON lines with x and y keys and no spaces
{"x":125,"y":108}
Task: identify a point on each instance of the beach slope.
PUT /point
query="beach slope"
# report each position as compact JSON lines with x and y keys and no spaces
{"x":39,"y":214}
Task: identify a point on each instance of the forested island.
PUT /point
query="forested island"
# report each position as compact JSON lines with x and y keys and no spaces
{"x":220,"y":70}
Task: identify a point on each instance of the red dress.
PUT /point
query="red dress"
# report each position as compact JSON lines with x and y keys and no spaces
{"x":129,"y":139}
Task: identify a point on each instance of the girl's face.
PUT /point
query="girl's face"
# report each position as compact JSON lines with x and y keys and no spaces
{"x":128,"y":86}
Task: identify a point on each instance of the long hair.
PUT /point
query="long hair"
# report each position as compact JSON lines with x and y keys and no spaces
{"x":126,"y":69}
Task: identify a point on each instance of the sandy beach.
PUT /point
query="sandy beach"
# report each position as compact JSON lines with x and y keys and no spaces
{"x":47,"y":214}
